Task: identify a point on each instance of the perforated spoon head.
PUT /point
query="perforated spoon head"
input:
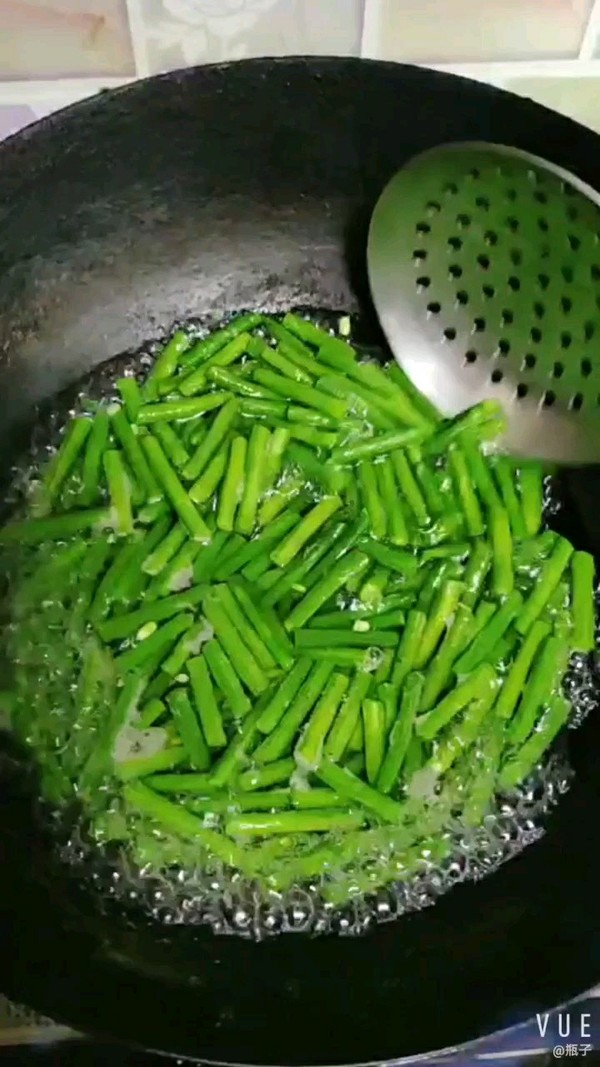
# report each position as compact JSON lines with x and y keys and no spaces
{"x":484,"y":265}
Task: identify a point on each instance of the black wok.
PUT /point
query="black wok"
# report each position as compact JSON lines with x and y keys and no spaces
{"x":201,"y":192}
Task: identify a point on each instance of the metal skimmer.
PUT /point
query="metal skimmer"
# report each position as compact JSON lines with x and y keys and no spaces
{"x":484,"y":265}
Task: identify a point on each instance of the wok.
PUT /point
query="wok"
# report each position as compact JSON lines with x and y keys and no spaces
{"x":237,"y":186}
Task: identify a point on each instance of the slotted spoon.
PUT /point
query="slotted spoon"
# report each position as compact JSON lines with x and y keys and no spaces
{"x":484,"y":265}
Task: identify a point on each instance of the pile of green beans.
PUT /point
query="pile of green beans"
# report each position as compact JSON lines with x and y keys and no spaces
{"x":262,"y":601}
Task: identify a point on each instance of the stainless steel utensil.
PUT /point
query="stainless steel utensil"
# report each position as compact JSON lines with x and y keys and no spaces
{"x":484,"y":265}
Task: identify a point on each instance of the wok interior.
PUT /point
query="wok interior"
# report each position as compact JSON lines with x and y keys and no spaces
{"x":242,"y":186}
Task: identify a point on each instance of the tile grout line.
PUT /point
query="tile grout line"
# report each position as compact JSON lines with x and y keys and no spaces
{"x":371,"y":23}
{"x":137,"y":32}
{"x":591,"y":33}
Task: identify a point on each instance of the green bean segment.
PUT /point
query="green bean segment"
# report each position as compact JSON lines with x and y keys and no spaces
{"x":271,"y":612}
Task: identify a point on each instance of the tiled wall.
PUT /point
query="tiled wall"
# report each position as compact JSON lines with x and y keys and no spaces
{"x":53,"y":52}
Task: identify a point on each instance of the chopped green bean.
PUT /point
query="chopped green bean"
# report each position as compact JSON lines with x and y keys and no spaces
{"x":361,"y":402}
{"x":195,"y":382}
{"x":158,"y":559}
{"x":532,"y":497}
{"x":152,"y":711}
{"x":291,"y":822}
{"x":302,"y":394}
{"x":476,"y":572}
{"x":439,"y":670}
{"x":167,"y":362}
{"x":309,"y":417}
{"x":400,"y":734}
{"x":172,"y":445}
{"x":502,"y":552}
{"x":312,"y":436}
{"x":272,"y":774}
{"x":345,"y":569}
{"x":518,"y":766}
{"x":240,"y":622}
{"x":176,"y":410}
{"x":380,"y":445}
{"x":186,"y":783}
{"x":347,"y":717}
{"x":131,"y":396}
{"x":442,"y":613}
{"x":480,"y":473}
{"x":283,"y":696}
{"x":342,"y":781}
{"x":409,"y":646}
{"x":278,"y":443}
{"x":550,"y":575}
{"x":309,"y":750}
{"x":243,"y":660}
{"x":476,"y":686}
{"x":62,"y":463}
{"x":216,"y":341}
{"x":372,"y":500}
{"x":237,"y":749}
{"x":119,"y":489}
{"x":280,"y":740}
{"x":543,"y":681}
{"x":316,"y":638}
{"x":175,"y":818}
{"x":409,"y":487}
{"x":204,"y":698}
{"x":398,"y":529}
{"x":374,"y":730}
{"x":414,"y":757}
{"x":173,"y":488}
{"x":96,"y":443}
{"x":261,"y":350}
{"x":140,"y":653}
{"x":189,"y":729}
{"x":348,"y":656}
{"x":269,"y":410}
{"x":582,"y":583}
{"x":288,"y":489}
{"x":210,"y":480}
{"x":514,"y":682}
{"x":253,"y":481}
{"x":266,"y":623}
{"x":481,"y":648}
{"x":219,"y":430}
{"x":188,"y":644}
{"x":462,"y":735}
{"x":99,"y":762}
{"x":145,"y":766}
{"x":134,"y":455}
{"x":293,"y":348}
{"x":466,"y":492}
{"x":505,"y":471}
{"x":308,"y":526}
{"x":232,"y":489}
{"x":226,"y":678}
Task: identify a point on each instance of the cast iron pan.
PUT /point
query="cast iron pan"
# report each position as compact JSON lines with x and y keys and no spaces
{"x":239,"y":186}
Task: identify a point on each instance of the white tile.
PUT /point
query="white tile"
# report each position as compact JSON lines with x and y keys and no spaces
{"x":64,"y":39}
{"x":464,"y":31}
{"x":578,"y":98}
{"x":184,"y":32}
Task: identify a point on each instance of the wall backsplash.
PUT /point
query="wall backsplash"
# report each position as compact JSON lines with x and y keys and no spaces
{"x":53,"y":52}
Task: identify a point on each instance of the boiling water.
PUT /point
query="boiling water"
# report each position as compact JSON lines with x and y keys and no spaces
{"x":230,"y":903}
